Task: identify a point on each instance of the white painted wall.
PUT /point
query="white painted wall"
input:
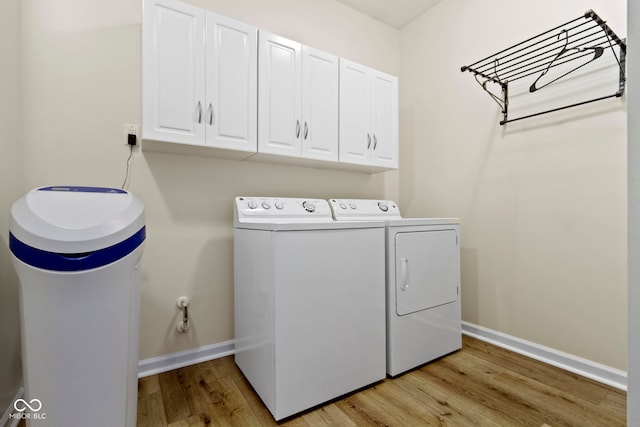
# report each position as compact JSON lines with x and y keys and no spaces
{"x":542,"y":202}
{"x":633,"y":73}
{"x":10,"y":189}
{"x":82,"y":83}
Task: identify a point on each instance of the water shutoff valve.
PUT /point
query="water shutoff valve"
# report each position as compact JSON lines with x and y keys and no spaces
{"x":183,"y":304}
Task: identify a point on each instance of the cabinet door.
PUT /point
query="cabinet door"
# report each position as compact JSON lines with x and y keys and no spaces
{"x":173,"y":72}
{"x":279,"y":95}
{"x":319,"y":105}
{"x":231,"y":84}
{"x":384,"y":126}
{"x":355,"y":113}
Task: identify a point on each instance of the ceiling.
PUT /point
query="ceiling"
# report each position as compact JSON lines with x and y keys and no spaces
{"x":396,"y":13}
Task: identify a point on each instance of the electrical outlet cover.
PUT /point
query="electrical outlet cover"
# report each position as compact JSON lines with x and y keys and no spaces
{"x":130,"y":129}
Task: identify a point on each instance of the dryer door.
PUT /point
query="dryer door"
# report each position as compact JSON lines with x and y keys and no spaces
{"x":427,"y":269}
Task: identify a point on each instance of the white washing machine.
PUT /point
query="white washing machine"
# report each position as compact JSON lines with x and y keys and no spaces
{"x":423,"y":313}
{"x":309,"y":302}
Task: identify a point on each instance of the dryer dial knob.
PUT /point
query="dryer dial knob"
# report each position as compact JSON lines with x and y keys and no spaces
{"x":343,"y":205}
{"x":279,"y":205}
{"x":252,"y":204}
{"x":383,"y":206}
{"x":266,"y":205}
{"x":352,"y":205}
{"x":309,"y":206}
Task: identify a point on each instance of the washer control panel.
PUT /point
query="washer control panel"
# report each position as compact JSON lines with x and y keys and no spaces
{"x":276,"y":209}
{"x":362,"y":209}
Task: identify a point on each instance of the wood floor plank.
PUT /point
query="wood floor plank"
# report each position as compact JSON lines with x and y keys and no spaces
{"x":224,"y":367}
{"x":473,"y":379}
{"x":573,"y":411}
{"x":151,"y":410}
{"x":148,"y":385}
{"x":356,"y":412}
{"x":615,"y":405}
{"x":174,"y":395}
{"x":611,"y":403}
{"x":369,"y":409}
{"x":329,"y":415}
{"x":417,"y":408}
{"x":572,"y":383}
{"x":197,"y":420}
{"x":459,"y":409}
{"x":405,"y":409}
{"x":229,"y":405}
{"x":196,"y":388}
{"x":480,"y":385}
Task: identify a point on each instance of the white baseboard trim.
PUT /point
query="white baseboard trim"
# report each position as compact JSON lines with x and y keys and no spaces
{"x":13,"y":422}
{"x":586,"y":368}
{"x":596,"y":371}
{"x":167,"y":362}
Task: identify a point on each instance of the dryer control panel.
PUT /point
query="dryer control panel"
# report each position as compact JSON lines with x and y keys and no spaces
{"x":362,"y":209}
{"x":281,"y":209}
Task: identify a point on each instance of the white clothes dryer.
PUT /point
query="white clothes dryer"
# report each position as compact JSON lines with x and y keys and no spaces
{"x":309,"y":302}
{"x":423,"y":315}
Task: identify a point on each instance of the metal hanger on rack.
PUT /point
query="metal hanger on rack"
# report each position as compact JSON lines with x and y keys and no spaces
{"x":597,"y":53}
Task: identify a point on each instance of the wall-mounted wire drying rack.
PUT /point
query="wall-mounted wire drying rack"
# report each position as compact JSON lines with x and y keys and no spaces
{"x":576,"y":43}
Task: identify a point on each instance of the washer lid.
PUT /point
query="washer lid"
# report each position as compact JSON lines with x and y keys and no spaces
{"x":71,"y":219}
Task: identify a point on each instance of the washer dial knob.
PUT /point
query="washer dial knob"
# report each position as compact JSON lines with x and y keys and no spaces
{"x":309,"y":206}
{"x":279,"y":205}
{"x":252,"y":204}
{"x":383,"y":206}
{"x":266,"y":205}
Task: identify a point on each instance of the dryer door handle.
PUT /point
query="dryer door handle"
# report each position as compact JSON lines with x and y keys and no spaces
{"x":404,"y":274}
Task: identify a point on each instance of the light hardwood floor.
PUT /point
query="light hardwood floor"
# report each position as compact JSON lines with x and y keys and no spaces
{"x":479,"y":385}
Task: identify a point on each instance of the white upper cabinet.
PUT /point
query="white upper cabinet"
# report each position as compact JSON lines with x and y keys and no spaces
{"x":319,"y":104}
{"x":173,"y":72}
{"x":297,"y":100}
{"x":384,"y":120}
{"x":199,"y":75}
{"x":355,"y":113}
{"x":279,"y":95}
{"x":231,"y":84}
{"x":368,"y":116}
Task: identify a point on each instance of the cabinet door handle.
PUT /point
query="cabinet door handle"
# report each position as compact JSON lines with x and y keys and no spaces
{"x":375,"y":141}
{"x":297,"y":128}
{"x":211,"y":116}
{"x":199,"y":112}
{"x":368,"y":141}
{"x":306,"y":131}
{"x":404,"y":274}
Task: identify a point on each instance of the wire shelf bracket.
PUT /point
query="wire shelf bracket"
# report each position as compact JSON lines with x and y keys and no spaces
{"x":570,"y":46}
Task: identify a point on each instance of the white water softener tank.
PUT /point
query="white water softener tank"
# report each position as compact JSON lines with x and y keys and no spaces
{"x":77,"y":253}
